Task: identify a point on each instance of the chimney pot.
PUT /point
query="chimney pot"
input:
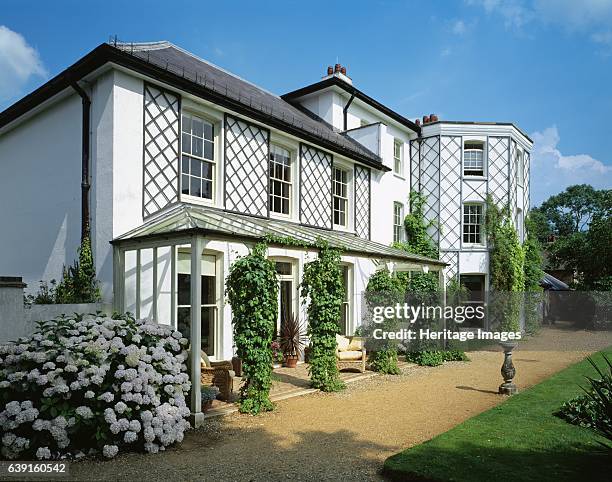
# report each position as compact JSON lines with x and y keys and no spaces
{"x":343,"y":70}
{"x":425,"y":119}
{"x":433,"y":118}
{"x":337,"y":68}
{"x":418,"y":122}
{"x":330,"y":70}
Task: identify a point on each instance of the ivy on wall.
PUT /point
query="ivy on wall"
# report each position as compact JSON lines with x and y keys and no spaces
{"x":252,"y":290}
{"x":533,"y":275}
{"x":417,"y":239}
{"x":322,"y":288}
{"x":506,"y":265}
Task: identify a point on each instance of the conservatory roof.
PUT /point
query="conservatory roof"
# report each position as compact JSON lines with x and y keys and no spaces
{"x":185,"y":219}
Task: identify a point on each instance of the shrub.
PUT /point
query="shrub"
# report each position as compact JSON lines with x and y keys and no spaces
{"x":433,"y":358}
{"x":594,"y":408}
{"x":322,"y":287}
{"x":251,"y":291}
{"x":92,"y":385}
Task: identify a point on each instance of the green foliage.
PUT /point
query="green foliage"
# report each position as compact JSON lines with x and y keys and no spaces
{"x":576,"y":228}
{"x":384,"y":289}
{"x":533,"y":275}
{"x":323,"y":289}
{"x":252,"y":293}
{"x":418,"y":241}
{"x":506,"y":265}
{"x":433,"y":358}
{"x":78,"y":284}
{"x":594,"y":408}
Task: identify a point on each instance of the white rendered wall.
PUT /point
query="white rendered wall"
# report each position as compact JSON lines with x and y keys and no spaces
{"x":40,"y":193}
{"x":116,"y":197}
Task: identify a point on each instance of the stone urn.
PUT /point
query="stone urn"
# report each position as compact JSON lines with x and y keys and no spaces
{"x":507,"y":370}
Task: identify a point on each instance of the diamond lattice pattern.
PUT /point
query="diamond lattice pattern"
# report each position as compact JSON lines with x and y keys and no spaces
{"x":315,"y":189}
{"x":246,"y":167}
{"x":430,"y":185}
{"x":450,"y":192}
{"x":161,"y":150}
{"x":452,"y":258}
{"x":362,"y":202}
{"x":498,"y":169}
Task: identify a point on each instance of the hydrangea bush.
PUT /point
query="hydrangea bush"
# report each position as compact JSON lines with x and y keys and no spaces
{"x":82,"y":386}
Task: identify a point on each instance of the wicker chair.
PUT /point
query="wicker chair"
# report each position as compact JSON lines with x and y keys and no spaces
{"x":220,"y":374}
{"x":350,"y":353}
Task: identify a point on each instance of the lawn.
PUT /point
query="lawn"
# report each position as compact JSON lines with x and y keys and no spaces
{"x":520,"y":439}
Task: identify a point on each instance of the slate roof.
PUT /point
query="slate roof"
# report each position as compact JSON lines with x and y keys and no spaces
{"x":184,"y":218}
{"x":174,"y":59}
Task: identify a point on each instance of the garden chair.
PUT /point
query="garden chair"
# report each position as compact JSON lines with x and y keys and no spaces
{"x":220,"y":374}
{"x":350,"y":353}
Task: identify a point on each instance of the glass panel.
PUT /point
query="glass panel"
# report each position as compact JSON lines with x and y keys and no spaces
{"x":286,"y":295}
{"x":186,"y":123}
{"x":208,"y":150}
{"x":197,"y":147}
{"x":208,"y":330}
{"x":185,"y":184}
{"x":207,"y":170}
{"x":207,"y":189}
{"x":185,"y":165}
{"x":186,"y":143}
{"x":184,"y":322}
{"x":184,"y":289}
{"x":195,"y":187}
{"x":283,"y":268}
{"x":196,"y":167}
{"x":208,"y":290}
{"x":196,"y":127}
{"x":208,"y":131}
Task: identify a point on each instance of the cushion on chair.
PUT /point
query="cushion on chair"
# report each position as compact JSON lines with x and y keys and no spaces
{"x":204,"y":360}
{"x":349,"y":355}
{"x":343,"y":342}
{"x":356,"y":344}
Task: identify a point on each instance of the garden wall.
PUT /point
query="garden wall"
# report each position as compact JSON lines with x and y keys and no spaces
{"x":17,"y":320}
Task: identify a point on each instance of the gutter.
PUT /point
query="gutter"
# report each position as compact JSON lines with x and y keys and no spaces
{"x":346,"y":108}
{"x":85,"y":185}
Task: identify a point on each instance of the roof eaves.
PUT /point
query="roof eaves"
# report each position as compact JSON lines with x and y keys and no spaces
{"x":335,"y":81}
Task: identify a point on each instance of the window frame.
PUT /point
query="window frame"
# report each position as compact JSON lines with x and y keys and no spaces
{"x":464,"y":151}
{"x":398,"y":160}
{"x":294,"y":277}
{"x":349,"y":196}
{"x":398,"y":217}
{"x":292,"y":184}
{"x":481,"y":233}
{"x":217,"y":127}
{"x":348,"y":301}
{"x":520,"y":167}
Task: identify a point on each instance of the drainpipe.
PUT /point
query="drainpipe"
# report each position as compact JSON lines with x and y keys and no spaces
{"x":345,"y":109}
{"x":86,"y":101}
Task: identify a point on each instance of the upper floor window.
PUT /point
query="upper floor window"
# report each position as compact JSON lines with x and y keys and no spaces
{"x":280,"y":180}
{"x":341,"y":192}
{"x":473,"y":222}
{"x":519,"y":167}
{"x":398,"y":161}
{"x":198,"y":157}
{"x":398,"y":216}
{"x":473,"y":158}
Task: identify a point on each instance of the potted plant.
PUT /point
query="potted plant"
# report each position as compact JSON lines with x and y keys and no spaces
{"x":277,"y":353}
{"x":292,"y":340}
{"x":208,"y":395}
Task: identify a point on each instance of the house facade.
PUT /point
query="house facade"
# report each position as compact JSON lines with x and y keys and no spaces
{"x":176,"y":168}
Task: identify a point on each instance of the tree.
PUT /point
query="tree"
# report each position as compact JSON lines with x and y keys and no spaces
{"x":578,"y":221}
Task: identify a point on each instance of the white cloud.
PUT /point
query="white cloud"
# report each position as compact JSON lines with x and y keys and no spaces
{"x":552,"y":171}
{"x":459,"y":27}
{"x":591,"y":17}
{"x":18,"y":62}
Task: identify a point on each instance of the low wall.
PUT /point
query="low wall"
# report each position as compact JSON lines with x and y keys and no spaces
{"x":17,"y":321}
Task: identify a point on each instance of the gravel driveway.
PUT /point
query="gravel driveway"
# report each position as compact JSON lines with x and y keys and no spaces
{"x":347,"y":435}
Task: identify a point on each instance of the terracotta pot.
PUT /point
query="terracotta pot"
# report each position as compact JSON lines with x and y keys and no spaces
{"x":290,"y":361}
{"x":237,"y":366}
{"x":206,"y":405}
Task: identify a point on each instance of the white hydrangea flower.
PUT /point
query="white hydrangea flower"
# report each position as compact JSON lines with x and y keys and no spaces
{"x":43,"y":453}
{"x":84,"y":412}
{"x":109,"y":451}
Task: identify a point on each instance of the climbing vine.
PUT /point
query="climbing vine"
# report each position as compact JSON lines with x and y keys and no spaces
{"x":415,"y":225}
{"x":533,"y":275}
{"x":252,"y":290}
{"x":506,"y":265}
{"x":322,"y":288}
{"x":384,"y":289}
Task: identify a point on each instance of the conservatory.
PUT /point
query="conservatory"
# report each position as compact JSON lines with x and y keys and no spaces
{"x":180,"y":258}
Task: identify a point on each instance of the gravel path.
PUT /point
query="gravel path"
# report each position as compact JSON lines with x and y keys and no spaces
{"x":348,"y":435}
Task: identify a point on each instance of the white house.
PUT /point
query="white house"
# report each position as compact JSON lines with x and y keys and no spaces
{"x":177,"y":167}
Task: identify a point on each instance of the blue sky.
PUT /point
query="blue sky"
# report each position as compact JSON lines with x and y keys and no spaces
{"x":545,"y":65}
